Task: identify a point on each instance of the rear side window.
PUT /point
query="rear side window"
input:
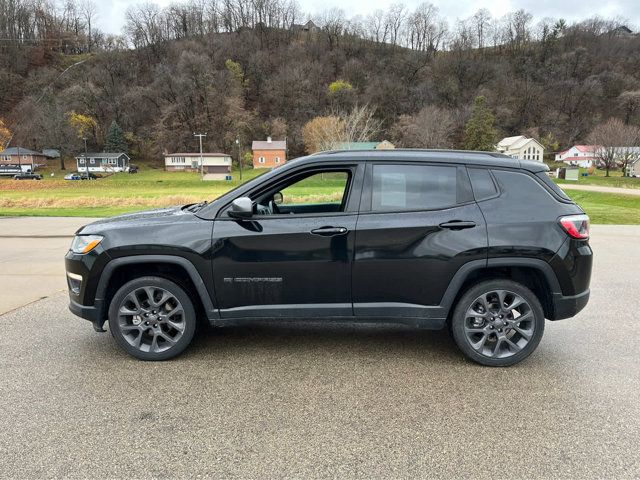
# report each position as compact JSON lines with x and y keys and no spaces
{"x":482,"y":183}
{"x":413,"y":187}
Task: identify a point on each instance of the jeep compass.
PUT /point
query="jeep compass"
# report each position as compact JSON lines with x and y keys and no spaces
{"x":482,"y":243}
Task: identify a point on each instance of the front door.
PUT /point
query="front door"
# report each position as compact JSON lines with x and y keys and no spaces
{"x":293,"y":258}
{"x":418,"y":225}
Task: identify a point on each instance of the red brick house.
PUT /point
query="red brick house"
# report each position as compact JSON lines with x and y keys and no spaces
{"x":269,"y":153}
{"x":22,"y":158}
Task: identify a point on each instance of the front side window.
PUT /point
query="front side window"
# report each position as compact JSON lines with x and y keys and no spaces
{"x":315,"y":193}
{"x":261,"y":159}
{"x":413,"y":187}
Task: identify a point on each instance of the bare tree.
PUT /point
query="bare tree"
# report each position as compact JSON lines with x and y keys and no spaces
{"x":89,"y":11}
{"x":429,"y":128}
{"x":629,"y":104}
{"x":481,"y":21}
{"x":377,"y":26}
{"x":615,"y":143}
{"x":395,"y":21}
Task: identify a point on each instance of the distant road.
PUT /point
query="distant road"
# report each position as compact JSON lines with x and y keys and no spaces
{"x":596,"y":188}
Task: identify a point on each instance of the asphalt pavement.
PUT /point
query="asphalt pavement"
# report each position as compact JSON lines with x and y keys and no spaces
{"x":317,"y":400}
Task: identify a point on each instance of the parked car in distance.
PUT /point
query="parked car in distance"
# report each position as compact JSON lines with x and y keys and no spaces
{"x":27,"y":176}
{"x":480,"y":242}
{"x":132,"y":168}
{"x":81,"y":176}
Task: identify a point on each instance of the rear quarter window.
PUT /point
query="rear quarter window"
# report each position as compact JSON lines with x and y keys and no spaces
{"x":482,"y":183}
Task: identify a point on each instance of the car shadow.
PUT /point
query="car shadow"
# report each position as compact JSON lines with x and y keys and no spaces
{"x":299,"y":337}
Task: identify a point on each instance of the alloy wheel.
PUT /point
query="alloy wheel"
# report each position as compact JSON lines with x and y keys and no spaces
{"x":499,"y":324}
{"x":151,"y":319}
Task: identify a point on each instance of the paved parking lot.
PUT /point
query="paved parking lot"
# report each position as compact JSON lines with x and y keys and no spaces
{"x":337,"y":400}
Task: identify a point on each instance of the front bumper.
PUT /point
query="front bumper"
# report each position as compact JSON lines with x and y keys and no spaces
{"x":569,"y":306}
{"x":82,"y":279}
{"x":91,"y":313}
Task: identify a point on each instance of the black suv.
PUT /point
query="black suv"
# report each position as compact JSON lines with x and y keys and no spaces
{"x":481,"y":242}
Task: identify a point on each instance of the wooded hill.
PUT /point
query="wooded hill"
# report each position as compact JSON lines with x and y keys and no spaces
{"x":248,"y":75}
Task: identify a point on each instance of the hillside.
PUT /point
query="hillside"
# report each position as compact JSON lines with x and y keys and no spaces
{"x":257,"y":81}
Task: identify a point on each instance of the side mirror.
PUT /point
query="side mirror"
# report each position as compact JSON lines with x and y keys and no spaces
{"x":278,"y":198}
{"x":241,"y":208}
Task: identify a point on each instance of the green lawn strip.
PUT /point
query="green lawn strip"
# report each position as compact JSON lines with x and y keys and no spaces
{"x":599,"y":179}
{"x":608,"y":208}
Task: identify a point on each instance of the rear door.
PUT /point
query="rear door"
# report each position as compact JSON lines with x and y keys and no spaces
{"x":418,"y":225}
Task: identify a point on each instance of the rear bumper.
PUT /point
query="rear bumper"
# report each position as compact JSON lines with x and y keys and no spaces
{"x":569,"y":306}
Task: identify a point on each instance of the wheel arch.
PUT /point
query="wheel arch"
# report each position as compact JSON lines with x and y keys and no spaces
{"x":177,"y":269}
{"x":533,"y":273}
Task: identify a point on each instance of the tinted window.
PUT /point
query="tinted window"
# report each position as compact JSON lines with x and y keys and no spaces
{"x":552,"y":185}
{"x":482,"y":183}
{"x":413,"y":187}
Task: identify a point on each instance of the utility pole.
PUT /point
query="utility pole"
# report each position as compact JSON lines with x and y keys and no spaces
{"x":19,"y":160}
{"x":239,"y":158}
{"x":200,"y":135}
{"x":86,"y":160}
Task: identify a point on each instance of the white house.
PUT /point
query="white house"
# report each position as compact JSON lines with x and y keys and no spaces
{"x":521,"y":147}
{"x":102,"y":162}
{"x":579,"y":155}
{"x":216,"y":166}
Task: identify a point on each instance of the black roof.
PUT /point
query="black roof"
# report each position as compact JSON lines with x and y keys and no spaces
{"x":466,"y":157}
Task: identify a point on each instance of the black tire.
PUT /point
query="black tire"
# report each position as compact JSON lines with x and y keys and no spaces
{"x":171,"y":334}
{"x":525,"y":334}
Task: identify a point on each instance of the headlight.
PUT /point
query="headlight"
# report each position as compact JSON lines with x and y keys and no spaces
{"x":85,"y":243}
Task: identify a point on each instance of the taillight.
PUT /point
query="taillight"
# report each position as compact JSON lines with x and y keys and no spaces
{"x":577,"y":226}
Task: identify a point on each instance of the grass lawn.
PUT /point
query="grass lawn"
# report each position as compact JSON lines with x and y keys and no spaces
{"x":154,"y":188}
{"x":598,"y":178}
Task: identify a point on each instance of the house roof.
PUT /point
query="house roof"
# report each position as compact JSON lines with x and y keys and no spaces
{"x":102,"y":155}
{"x":512,"y":143}
{"x":580,"y":148}
{"x":266,"y":145}
{"x":19,"y":151}
{"x":204,"y":154}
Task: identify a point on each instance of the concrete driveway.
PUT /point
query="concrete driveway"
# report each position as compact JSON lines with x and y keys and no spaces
{"x":328,"y":400}
{"x":31,"y":249}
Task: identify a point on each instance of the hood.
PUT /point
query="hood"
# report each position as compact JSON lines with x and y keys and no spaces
{"x":137,"y":219}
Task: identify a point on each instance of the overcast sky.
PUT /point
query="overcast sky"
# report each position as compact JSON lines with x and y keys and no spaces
{"x":111,"y":14}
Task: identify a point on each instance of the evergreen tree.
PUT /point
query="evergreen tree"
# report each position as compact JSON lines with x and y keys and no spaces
{"x":115,"y":141}
{"x":479,"y":133}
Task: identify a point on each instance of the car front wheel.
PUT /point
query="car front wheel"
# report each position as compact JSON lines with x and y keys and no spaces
{"x":152,"y":318}
{"x":498,"y":323}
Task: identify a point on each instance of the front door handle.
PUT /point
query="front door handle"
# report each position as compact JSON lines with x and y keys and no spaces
{"x":457,"y":225}
{"x":329,"y":231}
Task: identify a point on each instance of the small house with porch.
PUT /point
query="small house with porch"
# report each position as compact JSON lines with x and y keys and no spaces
{"x":215,"y":166}
{"x":103,"y":162}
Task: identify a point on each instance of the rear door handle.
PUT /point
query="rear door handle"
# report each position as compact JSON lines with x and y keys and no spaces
{"x":457,"y":225}
{"x":329,"y":231}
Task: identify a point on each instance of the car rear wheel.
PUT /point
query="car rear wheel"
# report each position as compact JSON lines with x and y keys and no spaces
{"x":498,"y":323}
{"x":152,"y":318}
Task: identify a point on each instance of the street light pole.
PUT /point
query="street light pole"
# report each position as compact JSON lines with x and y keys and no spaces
{"x":239,"y":158}
{"x":200,"y":135}
{"x":86,"y":160}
